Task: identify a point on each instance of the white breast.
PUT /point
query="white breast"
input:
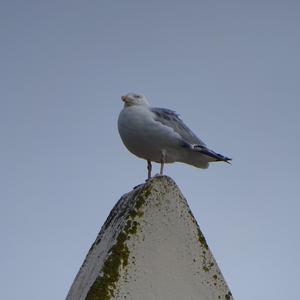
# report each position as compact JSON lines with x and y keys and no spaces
{"x":145,"y":137}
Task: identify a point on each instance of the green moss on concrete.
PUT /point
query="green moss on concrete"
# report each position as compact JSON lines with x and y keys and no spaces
{"x":142,"y":196}
{"x":202,"y":239}
{"x":131,"y":227}
{"x":104,"y":286}
{"x":206,"y":263}
{"x":135,"y":213}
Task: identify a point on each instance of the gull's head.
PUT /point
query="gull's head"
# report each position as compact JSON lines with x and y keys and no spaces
{"x":134,"y":99}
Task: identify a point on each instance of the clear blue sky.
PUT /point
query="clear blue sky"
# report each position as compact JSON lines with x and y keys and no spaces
{"x":230,"y":68}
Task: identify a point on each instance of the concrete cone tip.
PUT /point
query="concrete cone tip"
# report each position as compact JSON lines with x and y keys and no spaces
{"x":150,"y":248}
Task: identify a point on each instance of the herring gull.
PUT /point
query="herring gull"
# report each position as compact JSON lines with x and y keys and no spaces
{"x":159,"y":135}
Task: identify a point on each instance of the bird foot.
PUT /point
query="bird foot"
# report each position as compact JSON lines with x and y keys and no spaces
{"x":158,"y":175}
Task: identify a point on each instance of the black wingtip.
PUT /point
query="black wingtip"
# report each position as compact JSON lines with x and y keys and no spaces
{"x":224,"y":159}
{"x":228,"y":160}
{"x":218,"y":157}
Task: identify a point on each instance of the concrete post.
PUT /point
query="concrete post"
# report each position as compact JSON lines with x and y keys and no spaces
{"x":150,"y":248}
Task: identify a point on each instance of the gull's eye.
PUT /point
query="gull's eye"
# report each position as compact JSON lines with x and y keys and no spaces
{"x":137,"y":96}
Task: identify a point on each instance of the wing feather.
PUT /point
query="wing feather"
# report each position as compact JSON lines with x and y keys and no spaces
{"x":171,"y":119}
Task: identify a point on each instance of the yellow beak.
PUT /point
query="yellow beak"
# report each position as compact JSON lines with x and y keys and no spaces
{"x":124,"y":98}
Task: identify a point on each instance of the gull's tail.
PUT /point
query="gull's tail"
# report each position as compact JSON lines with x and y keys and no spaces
{"x":211,"y":154}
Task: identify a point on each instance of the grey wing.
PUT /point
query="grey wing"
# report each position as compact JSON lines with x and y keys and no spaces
{"x":171,"y":119}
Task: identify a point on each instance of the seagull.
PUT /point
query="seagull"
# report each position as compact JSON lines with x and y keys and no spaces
{"x":159,"y":135}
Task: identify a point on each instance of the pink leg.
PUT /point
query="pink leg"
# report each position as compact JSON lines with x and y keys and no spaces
{"x":149,"y":167}
{"x":161,"y":167}
{"x":162,"y":162}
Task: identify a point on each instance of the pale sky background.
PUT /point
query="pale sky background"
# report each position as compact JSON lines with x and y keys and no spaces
{"x":230,"y":68}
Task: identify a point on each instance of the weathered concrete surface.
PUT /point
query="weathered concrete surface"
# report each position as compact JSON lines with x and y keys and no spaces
{"x":150,"y":248}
